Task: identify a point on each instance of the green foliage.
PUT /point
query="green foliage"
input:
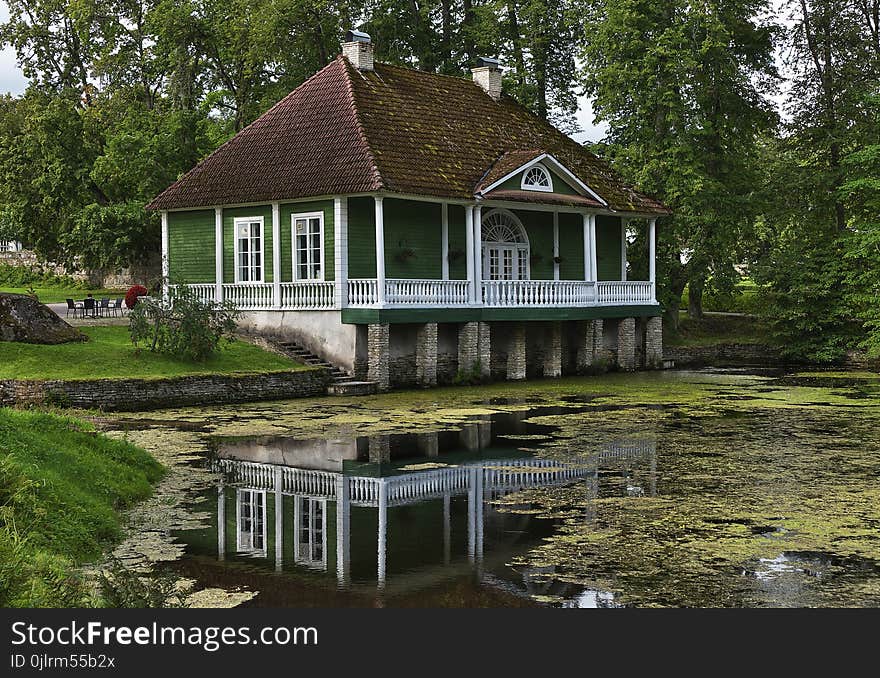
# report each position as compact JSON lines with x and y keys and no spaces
{"x":186,"y":328}
{"x":470,"y":377}
{"x":61,"y":487}
{"x":26,"y":276}
{"x":122,"y":587}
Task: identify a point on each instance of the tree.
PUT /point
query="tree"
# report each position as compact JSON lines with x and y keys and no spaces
{"x":684,"y":89}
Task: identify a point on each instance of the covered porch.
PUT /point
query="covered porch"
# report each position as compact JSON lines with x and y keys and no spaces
{"x":392,"y":252}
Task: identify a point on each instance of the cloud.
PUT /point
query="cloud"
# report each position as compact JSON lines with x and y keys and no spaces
{"x":12,"y":80}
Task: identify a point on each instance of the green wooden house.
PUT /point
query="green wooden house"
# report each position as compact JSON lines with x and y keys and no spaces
{"x":408,"y":227}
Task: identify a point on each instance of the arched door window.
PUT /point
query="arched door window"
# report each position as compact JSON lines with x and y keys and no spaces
{"x":505,"y":247}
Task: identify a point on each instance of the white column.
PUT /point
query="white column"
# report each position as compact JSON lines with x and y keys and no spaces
{"x":218,"y":254}
{"x":165,"y":262}
{"x":343,"y":529}
{"x":594,"y":266}
{"x":469,"y":240}
{"x":623,"y":223}
{"x":221,"y":522}
{"x":279,"y":521}
{"x":380,"y":250}
{"x":652,"y":255}
{"x":383,"y":532}
{"x":340,"y":250}
{"x":444,"y":240}
{"x":588,"y":275}
{"x":472,"y":513}
{"x":478,"y":254}
{"x":447,"y":529}
{"x":555,"y":245}
{"x":276,"y":255}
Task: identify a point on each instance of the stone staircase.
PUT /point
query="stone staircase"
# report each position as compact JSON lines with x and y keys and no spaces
{"x":342,"y":384}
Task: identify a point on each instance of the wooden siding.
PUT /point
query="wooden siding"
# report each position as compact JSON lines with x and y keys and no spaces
{"x":191,"y":246}
{"x":457,"y":242}
{"x":571,"y":246}
{"x":361,"y":238}
{"x":608,"y":247}
{"x":288,"y":209}
{"x":415,"y":226}
{"x":539,"y":228}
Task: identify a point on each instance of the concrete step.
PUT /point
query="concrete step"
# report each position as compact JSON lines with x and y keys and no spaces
{"x":353,"y":388}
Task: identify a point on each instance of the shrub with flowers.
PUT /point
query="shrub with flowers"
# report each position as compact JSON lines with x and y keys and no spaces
{"x":131,"y":297}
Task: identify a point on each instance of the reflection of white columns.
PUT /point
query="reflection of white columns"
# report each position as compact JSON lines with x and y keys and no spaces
{"x":652,"y":255}
{"x":276,"y":255}
{"x":555,"y":245}
{"x":279,"y":521}
{"x":218,"y":254}
{"x":343,"y":529}
{"x":469,"y":246}
{"x":444,"y":240}
{"x":447,"y":529}
{"x":472,"y":513}
{"x":221,"y":522}
{"x":478,"y":253}
{"x":479,"y":515}
{"x":383,"y":532}
{"x":380,"y":250}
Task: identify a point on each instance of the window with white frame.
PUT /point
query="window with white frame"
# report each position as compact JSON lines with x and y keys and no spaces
{"x":250,"y":519}
{"x":537,"y":178}
{"x":308,"y":246}
{"x":249,"y":250}
{"x":310,"y":518}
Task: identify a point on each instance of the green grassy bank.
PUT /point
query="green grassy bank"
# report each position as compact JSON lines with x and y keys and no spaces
{"x":62,"y":487}
{"x":109,"y":354}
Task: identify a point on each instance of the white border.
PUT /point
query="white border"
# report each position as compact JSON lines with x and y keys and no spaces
{"x":235,"y":223}
{"x":306,"y":215}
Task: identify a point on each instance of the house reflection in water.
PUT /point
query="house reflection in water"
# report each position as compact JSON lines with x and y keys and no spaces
{"x":407,"y":510}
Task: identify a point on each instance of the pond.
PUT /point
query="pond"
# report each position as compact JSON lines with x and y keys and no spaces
{"x":700,"y":488}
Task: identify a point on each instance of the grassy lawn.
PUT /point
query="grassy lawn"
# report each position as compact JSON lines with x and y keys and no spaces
{"x":53,"y":295}
{"x":715,"y":329}
{"x":61,"y":489}
{"x":109,"y":355}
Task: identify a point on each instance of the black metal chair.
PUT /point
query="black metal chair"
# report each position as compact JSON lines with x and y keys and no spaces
{"x":104,"y":307}
{"x":89,"y":307}
{"x":74,"y":306}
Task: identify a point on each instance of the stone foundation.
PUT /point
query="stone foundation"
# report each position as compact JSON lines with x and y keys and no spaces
{"x":553,"y":350}
{"x":516,"y":352}
{"x":378,"y":355}
{"x":626,"y":344}
{"x":426,"y":355}
{"x":653,"y":346}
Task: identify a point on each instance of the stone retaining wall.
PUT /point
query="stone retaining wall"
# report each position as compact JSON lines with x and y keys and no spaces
{"x":130,"y":395}
{"x":720,"y":355}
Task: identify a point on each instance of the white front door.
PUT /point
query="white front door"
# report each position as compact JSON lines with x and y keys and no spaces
{"x":505,"y":262}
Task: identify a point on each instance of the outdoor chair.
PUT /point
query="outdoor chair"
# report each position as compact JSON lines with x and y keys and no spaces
{"x":89,"y":307}
{"x":74,"y":306}
{"x":104,"y":308}
{"x":118,"y":307}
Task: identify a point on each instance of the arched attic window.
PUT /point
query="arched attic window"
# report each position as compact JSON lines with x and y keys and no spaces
{"x":537,"y":178}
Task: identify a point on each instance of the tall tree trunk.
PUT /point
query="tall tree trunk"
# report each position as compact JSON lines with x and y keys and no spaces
{"x":695,"y":298}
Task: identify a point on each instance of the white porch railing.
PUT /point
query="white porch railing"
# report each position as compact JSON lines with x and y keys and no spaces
{"x":307,"y":294}
{"x":363,"y":292}
{"x":538,"y":293}
{"x":249,"y":296}
{"x":625,"y":292}
{"x":205,"y":292}
{"x":405,"y":292}
{"x":400,"y":292}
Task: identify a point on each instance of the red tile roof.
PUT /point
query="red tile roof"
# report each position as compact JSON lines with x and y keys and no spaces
{"x":392,"y":129}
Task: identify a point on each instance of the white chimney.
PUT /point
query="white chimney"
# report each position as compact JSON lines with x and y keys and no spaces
{"x":487,"y":75}
{"x":358,"y":49}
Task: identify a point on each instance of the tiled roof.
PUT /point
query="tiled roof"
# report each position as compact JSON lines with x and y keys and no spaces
{"x":392,"y":129}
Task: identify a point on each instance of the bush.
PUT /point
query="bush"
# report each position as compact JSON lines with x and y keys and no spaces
{"x":36,"y":276}
{"x":186,"y":327}
{"x":131,"y":297}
